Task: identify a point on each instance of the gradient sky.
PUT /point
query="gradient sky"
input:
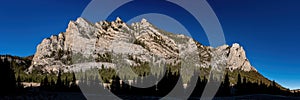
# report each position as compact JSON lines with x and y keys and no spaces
{"x":269,"y":30}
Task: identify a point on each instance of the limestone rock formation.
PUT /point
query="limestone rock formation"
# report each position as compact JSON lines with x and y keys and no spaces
{"x":101,"y":44}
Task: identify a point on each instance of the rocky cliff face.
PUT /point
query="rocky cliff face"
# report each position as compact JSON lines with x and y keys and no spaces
{"x":114,"y":44}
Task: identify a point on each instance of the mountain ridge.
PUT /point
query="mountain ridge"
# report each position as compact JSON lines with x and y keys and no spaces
{"x":141,"y":40}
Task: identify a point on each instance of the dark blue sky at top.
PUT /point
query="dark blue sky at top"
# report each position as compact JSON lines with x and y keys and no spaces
{"x":268,"y":30}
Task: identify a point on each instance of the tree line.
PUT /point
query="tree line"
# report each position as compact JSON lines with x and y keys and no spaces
{"x":70,"y":82}
{"x":163,"y":87}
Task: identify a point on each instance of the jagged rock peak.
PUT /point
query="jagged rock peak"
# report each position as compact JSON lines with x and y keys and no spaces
{"x":237,"y":59}
{"x":145,"y":22}
{"x":119,"y":20}
{"x":82,"y":20}
{"x":236,"y":45}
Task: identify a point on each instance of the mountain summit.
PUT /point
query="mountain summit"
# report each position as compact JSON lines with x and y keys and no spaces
{"x":98,"y":43}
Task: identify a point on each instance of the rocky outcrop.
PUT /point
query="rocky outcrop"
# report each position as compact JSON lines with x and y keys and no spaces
{"x":235,"y":57}
{"x":23,"y":63}
{"x":104,"y":44}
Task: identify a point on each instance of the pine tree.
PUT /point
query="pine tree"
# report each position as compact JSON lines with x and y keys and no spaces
{"x":226,"y":85}
{"x":19,"y":84}
{"x":239,"y":85}
{"x":59,"y":83}
{"x":115,"y":85}
{"x":66,"y":85}
{"x":73,"y":80}
{"x":45,"y":82}
{"x":239,"y":80}
{"x":53,"y":85}
{"x":226,"y":80}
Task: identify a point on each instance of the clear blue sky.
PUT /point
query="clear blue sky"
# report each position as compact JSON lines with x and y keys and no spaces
{"x":269,"y":30}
